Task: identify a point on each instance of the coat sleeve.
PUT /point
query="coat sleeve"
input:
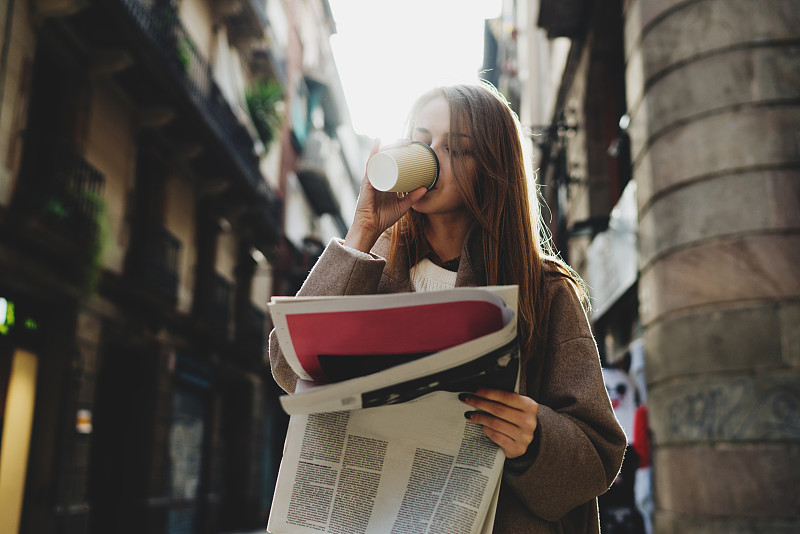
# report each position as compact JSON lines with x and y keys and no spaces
{"x":340,"y":270}
{"x":580,"y":443}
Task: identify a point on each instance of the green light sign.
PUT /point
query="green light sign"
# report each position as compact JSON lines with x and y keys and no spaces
{"x":6,"y":315}
{"x":8,"y":318}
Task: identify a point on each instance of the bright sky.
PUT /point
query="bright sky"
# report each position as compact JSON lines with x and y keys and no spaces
{"x":388,"y":52}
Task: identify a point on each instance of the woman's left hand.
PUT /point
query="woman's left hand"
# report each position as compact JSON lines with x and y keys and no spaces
{"x":507,"y":418}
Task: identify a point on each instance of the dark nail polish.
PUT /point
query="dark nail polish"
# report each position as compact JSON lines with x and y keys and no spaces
{"x":463,"y":397}
{"x":469,"y":415}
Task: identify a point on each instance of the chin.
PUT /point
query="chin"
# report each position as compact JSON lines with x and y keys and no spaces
{"x":420,"y":207}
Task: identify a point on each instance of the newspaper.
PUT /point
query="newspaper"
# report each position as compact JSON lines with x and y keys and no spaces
{"x":391,"y":452}
{"x":329,"y":339}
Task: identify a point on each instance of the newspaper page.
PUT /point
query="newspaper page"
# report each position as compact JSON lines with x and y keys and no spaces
{"x":330,"y":339}
{"x":414,"y":468}
{"x":458,"y":368}
{"x":485,"y":362}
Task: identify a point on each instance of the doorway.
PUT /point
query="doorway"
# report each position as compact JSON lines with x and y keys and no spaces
{"x":18,"y":370}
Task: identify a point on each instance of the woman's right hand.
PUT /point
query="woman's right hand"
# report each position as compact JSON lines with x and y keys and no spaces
{"x":376,"y":211}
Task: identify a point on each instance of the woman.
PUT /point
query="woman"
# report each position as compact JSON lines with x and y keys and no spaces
{"x":561,"y":439}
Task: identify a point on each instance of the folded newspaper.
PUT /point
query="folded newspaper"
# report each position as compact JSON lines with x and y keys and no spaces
{"x":377,"y":441}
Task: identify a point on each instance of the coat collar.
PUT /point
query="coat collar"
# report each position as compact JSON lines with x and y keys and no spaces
{"x":471,"y":270}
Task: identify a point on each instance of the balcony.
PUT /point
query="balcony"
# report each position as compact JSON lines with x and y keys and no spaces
{"x":144,"y":48}
{"x":219,"y":312}
{"x":316,"y":151}
{"x":267,"y":60}
{"x":72,"y":203}
{"x":172,"y":87}
{"x":157,"y":260}
{"x":60,"y":200}
{"x":174,"y":46}
{"x":245,"y":18}
{"x":313,"y":177}
{"x":564,"y":18}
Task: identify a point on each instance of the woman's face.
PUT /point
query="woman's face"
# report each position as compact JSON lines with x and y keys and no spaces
{"x":432,"y":127}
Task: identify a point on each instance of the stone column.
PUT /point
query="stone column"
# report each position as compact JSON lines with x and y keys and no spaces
{"x":714,"y":93}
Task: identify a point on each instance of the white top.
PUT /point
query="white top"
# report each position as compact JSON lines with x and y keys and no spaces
{"x":427,"y":276}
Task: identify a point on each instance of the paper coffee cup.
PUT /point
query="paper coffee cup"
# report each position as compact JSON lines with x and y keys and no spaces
{"x":404,"y":168}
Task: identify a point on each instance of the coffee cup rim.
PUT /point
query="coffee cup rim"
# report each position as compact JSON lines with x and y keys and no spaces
{"x":435,"y":159}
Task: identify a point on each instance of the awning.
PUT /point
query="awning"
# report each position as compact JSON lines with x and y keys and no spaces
{"x":612,"y":257}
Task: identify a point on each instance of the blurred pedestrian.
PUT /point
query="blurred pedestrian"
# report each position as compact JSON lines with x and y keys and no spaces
{"x":618,"y":511}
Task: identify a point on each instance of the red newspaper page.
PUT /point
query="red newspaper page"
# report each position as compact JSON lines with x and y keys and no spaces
{"x":397,"y":334}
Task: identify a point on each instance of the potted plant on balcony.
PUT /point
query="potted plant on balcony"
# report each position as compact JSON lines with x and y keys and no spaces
{"x":263,"y":103}
{"x":81,"y":213}
{"x":176,"y":42}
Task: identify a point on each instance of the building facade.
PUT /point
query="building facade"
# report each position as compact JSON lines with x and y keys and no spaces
{"x":165,"y":167}
{"x":666,"y":144}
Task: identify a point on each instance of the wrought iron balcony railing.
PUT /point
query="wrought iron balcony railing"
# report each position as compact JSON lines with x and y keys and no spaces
{"x":159,"y":21}
{"x":247,"y":19}
{"x":72,"y":196}
{"x":60,"y":192}
{"x":160,"y":260}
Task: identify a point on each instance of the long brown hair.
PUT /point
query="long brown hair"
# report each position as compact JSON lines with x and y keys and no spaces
{"x":516,"y":245}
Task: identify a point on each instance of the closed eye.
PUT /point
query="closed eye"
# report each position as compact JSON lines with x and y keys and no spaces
{"x":422,"y":135}
{"x":458,"y":153}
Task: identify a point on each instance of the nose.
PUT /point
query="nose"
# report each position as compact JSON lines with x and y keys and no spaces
{"x":437,"y":146}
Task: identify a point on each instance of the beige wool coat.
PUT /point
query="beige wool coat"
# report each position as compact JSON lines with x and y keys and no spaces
{"x":579,"y":445}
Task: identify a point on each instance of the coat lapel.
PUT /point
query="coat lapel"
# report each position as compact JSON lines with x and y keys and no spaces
{"x":470,"y":267}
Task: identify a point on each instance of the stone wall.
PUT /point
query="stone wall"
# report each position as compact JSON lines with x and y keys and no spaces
{"x":713,"y":95}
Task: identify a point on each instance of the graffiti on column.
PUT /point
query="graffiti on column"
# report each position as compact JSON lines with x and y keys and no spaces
{"x":742,"y":409}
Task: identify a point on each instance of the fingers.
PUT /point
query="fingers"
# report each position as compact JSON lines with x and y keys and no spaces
{"x":508,"y":398}
{"x":412,"y":198}
{"x":512,"y":447}
{"x":508,"y":419}
{"x":377,"y":210}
